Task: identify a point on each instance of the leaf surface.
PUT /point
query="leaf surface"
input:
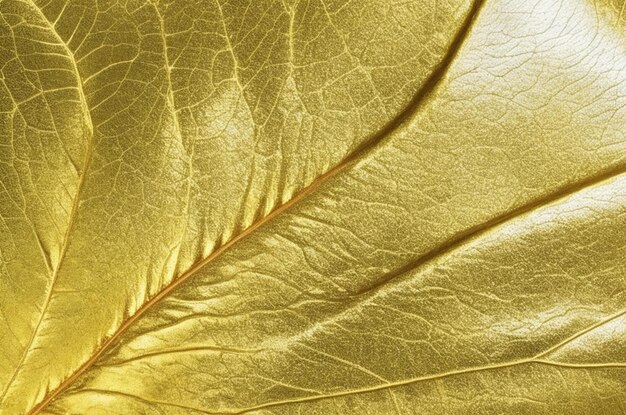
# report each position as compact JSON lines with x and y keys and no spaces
{"x":312,"y":206}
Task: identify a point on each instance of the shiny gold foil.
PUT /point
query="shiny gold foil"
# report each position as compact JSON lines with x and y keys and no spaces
{"x":312,"y":207}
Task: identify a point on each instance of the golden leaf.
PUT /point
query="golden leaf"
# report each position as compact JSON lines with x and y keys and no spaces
{"x":312,"y":206}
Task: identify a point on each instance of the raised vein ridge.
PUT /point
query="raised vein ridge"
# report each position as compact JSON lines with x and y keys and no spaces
{"x":75,"y":202}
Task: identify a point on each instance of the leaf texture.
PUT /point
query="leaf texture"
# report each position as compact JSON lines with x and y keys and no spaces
{"x":312,"y":206}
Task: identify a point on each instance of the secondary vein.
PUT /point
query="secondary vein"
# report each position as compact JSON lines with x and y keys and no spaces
{"x":426,"y":378}
{"x":75,"y":202}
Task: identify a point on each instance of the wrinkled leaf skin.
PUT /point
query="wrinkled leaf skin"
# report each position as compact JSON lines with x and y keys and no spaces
{"x":312,"y":206}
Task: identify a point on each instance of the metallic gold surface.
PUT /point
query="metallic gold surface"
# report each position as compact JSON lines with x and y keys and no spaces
{"x":312,"y":207}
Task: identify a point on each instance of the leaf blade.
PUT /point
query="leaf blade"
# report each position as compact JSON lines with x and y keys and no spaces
{"x":516,"y":142}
